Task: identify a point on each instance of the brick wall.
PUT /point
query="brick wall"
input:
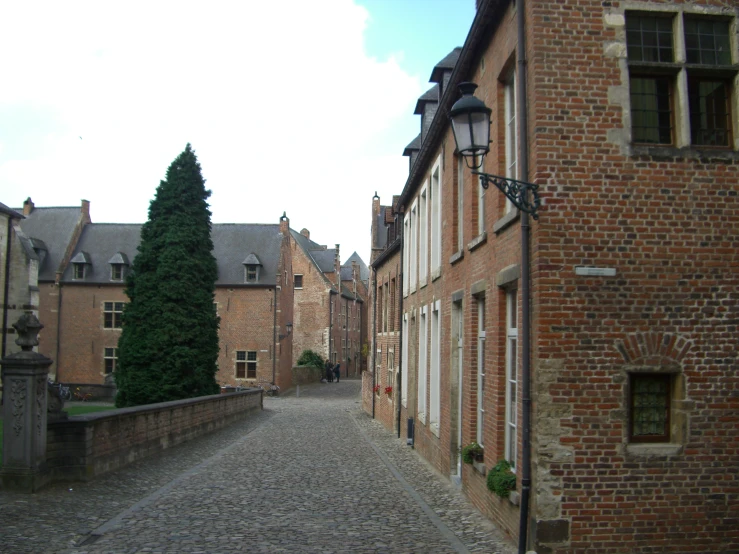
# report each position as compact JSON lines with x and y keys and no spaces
{"x":86,"y":446}
{"x":311,"y":307}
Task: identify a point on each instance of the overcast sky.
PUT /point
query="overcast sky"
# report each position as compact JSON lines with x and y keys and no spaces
{"x":292,"y":106}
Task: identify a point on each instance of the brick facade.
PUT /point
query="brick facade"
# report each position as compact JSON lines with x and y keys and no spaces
{"x":664,"y":218}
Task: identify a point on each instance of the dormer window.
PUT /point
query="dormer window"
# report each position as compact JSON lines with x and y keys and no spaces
{"x":79,"y":264}
{"x":252,"y":267}
{"x":118,"y":265}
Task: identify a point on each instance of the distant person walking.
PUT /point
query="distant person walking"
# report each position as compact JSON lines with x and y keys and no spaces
{"x":329,"y":372}
{"x":337,"y":371}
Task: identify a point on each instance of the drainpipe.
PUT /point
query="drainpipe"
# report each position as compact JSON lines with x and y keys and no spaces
{"x":373,"y":345}
{"x":274,"y":338}
{"x":400,"y":340}
{"x":6,"y":292}
{"x":346,"y":334}
{"x":525,"y":287}
{"x":330,"y":323}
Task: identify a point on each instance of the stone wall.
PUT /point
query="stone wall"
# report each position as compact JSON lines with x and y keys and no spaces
{"x":86,"y":446}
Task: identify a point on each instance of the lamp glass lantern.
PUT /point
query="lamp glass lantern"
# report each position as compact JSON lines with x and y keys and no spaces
{"x":470,"y":119}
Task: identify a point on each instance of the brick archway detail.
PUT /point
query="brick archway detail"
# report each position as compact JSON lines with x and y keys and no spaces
{"x":653,"y":349}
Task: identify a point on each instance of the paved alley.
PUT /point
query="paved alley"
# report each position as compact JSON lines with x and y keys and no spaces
{"x":308,"y":474}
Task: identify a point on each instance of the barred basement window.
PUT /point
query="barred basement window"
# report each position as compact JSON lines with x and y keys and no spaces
{"x":112,"y":315}
{"x":649,"y":408}
{"x":110,"y":358}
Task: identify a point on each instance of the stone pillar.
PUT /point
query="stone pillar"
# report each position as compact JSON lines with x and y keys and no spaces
{"x":24,"y":376}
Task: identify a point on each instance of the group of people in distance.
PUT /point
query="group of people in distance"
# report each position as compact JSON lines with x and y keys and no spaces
{"x":332,"y":372}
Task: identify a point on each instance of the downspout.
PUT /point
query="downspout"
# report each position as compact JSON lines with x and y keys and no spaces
{"x":58,"y":283}
{"x":346,"y":335}
{"x":274,"y":338}
{"x":6,"y":292}
{"x":373,"y":346}
{"x":525,"y":287}
{"x":400,"y":339}
{"x":330,"y":323}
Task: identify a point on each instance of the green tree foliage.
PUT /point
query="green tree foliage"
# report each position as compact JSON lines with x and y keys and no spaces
{"x":168,"y":349}
{"x":311,"y":359}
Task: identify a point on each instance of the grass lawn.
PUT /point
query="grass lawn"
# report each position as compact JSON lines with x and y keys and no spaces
{"x":71,"y":410}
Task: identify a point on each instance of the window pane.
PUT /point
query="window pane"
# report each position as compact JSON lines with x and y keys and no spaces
{"x":707,"y":41}
{"x":710,"y":121}
{"x":252,"y":356}
{"x":251,"y":370}
{"x":650,"y":405}
{"x":649,"y":39}
{"x":241,"y":355}
{"x":651,"y":114}
{"x":240,"y":370}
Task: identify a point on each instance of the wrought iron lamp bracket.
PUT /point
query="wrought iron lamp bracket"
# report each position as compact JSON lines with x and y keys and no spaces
{"x":516,"y":191}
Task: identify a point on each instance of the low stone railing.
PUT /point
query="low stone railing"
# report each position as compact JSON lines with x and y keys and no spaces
{"x":85,"y":446}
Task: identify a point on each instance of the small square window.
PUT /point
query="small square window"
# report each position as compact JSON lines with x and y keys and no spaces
{"x":649,"y":38}
{"x":298,"y":281}
{"x":246,"y":364}
{"x":707,"y":41}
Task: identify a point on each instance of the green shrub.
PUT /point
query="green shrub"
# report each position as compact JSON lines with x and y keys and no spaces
{"x":471,"y":452}
{"x":501,"y":480}
{"x":311,"y":359}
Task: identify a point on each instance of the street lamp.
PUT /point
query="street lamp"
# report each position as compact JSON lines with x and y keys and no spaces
{"x":470,"y":119}
{"x":289,"y":327}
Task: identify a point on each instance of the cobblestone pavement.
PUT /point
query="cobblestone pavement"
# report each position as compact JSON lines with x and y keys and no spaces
{"x":308,"y":474}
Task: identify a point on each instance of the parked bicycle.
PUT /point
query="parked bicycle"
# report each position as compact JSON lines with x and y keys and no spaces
{"x":82,"y":396}
{"x":64,"y":392}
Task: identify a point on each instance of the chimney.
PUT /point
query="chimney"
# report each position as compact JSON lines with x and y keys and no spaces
{"x":305,"y":232}
{"x":337,"y":268}
{"x":28,"y":206}
{"x":375,"y":215}
{"x":85,"y":210}
{"x":284,"y":224}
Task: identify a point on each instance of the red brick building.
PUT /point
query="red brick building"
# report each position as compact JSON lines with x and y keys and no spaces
{"x":329,"y":303}
{"x":82,"y":282}
{"x":628,"y":126}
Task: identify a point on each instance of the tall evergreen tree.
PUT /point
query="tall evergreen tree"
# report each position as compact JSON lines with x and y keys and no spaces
{"x":168,"y":348}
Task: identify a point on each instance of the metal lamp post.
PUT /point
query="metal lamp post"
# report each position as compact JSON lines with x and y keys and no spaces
{"x":470,"y":119}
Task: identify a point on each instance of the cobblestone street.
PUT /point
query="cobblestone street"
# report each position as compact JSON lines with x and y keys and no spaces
{"x":308,"y":474}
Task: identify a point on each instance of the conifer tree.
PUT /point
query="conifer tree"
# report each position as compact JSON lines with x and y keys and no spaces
{"x":168,"y":348}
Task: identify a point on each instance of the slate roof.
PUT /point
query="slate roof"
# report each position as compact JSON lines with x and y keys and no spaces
{"x":431,"y":95}
{"x":54,"y":227}
{"x":414,"y":145}
{"x":447,"y":64}
{"x":363,"y":269}
{"x":233,"y":244}
{"x":98,"y":243}
{"x":325,"y":259}
{"x":10,"y":211}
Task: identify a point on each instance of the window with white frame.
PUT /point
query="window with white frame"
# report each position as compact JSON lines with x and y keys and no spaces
{"x":435,"y":369}
{"x":246,"y":364}
{"x":385,"y":307}
{"x":298,"y":281}
{"x":404,"y":362}
{"x":406,"y":244}
{"x":511,"y":133}
{"x":113,"y":315}
{"x":391,"y":371}
{"x":435,"y":191}
{"x":422,"y":363}
{"x":682,"y":75}
{"x":413,"y":248}
{"x":511,"y":396}
{"x":423,"y":248}
{"x":110,"y":359}
{"x":480,"y":370}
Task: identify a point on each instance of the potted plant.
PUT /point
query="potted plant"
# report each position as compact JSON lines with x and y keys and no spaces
{"x":388,"y":390}
{"x":473,"y":452}
{"x":501,"y":480}
{"x":376,"y":389}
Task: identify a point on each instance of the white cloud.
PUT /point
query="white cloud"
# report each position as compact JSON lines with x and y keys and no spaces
{"x":282,"y":104}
